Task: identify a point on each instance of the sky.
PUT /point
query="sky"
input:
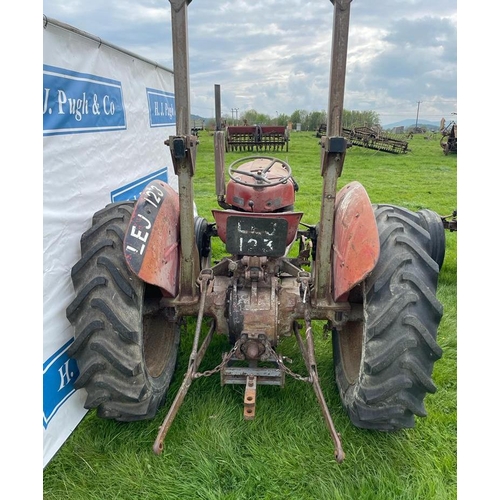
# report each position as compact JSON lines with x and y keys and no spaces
{"x":273,"y":56}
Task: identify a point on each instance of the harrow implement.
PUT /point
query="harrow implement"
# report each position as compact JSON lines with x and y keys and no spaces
{"x":257,"y":138}
{"x":367,"y":137}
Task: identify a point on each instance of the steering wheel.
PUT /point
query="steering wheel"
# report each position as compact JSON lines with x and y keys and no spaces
{"x":260,"y":174}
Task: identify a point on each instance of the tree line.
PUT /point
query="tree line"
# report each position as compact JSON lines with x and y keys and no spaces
{"x":308,"y":120}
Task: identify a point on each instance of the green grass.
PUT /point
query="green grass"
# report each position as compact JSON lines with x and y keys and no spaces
{"x":286,"y":452}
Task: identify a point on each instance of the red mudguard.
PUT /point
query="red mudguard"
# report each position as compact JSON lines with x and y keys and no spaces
{"x":151,"y":243}
{"x":356,"y":240}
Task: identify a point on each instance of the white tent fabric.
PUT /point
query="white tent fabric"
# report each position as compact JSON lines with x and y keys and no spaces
{"x":106,"y":115}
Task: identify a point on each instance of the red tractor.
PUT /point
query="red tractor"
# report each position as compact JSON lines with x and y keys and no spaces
{"x":369,"y":272}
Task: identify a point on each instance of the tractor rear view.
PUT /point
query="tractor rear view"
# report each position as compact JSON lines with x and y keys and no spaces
{"x":369,"y":272}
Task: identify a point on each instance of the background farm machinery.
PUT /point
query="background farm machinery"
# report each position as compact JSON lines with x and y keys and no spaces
{"x":371,"y":138}
{"x":256,"y":138}
{"x":448,"y":139}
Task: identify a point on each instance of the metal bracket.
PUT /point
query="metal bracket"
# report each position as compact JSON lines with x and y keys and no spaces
{"x":250,"y":397}
{"x":183,"y":152}
{"x":334,"y":144}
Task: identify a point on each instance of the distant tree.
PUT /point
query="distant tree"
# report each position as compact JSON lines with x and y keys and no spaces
{"x":308,"y":121}
{"x":210,"y":124}
{"x":300,"y":116}
{"x":351,"y":119}
{"x":295,"y":117}
{"x":254,"y":118}
{"x":315,"y":119}
{"x":304,"y":118}
{"x":283,"y":119}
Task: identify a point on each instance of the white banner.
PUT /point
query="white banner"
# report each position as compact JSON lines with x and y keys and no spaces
{"x":106,"y":115}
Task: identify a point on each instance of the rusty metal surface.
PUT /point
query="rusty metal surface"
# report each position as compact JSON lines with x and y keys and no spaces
{"x":151,"y":243}
{"x":249,"y":398}
{"x":181,"y":394}
{"x":194,"y":362}
{"x":357,"y":247}
{"x":307,"y":350}
{"x":254,"y":308}
{"x":332,"y":162}
{"x":338,"y":67}
{"x":239,"y":374}
{"x":179,"y":18}
{"x":183,"y":150}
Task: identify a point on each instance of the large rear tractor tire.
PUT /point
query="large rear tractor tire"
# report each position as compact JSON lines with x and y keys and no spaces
{"x":434,"y":224}
{"x":384,"y":363}
{"x":125,"y":346}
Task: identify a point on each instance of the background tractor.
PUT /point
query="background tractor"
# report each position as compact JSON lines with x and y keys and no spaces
{"x":369,"y":272}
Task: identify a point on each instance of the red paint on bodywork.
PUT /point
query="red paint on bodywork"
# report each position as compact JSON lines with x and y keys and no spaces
{"x":159,"y":262}
{"x":252,"y":196}
{"x":356,"y":240}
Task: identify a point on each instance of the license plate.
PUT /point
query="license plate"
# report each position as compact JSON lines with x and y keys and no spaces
{"x":258,"y":236}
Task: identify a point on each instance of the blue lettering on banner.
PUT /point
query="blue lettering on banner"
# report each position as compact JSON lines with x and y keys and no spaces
{"x":59,"y":374}
{"x":74,"y":103}
{"x":133,"y":190}
{"x":161,"y":108}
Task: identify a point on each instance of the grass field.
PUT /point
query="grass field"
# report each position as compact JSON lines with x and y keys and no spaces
{"x":286,"y":452}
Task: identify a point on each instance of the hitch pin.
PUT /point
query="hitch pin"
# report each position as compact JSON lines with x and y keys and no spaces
{"x":304,"y":278}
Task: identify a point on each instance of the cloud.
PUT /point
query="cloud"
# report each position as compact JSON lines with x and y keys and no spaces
{"x":274,"y":55}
